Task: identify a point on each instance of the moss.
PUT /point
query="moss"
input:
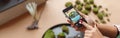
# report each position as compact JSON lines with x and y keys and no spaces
{"x":100,"y":6}
{"x":85,"y":1}
{"x":100,"y":16}
{"x":91,"y":1}
{"x":68,"y":4}
{"x":85,"y":12}
{"x":88,"y":7}
{"x":108,"y":19}
{"x":106,"y":9}
{"x":79,"y":7}
{"x":95,"y":10}
{"x":105,"y":14}
{"x":65,"y":29}
{"x":94,"y":5}
{"x":61,"y":35}
{"x":49,"y":34}
{"x":77,"y":2}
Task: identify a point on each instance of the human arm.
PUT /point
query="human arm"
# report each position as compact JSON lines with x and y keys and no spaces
{"x":108,"y":30}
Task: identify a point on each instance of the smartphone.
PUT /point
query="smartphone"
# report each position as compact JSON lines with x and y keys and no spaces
{"x":73,"y":16}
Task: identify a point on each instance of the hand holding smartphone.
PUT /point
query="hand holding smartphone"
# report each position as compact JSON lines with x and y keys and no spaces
{"x":73,"y":16}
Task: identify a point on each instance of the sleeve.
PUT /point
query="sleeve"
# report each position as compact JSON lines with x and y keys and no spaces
{"x":118,"y":28}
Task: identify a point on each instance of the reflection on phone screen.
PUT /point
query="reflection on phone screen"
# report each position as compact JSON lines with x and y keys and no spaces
{"x":73,"y":15}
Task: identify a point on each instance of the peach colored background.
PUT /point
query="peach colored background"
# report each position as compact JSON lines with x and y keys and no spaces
{"x":51,"y":15}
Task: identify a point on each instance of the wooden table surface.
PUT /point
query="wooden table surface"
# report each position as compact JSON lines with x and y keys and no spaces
{"x":52,"y":14}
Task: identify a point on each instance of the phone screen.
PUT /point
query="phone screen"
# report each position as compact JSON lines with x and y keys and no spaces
{"x":73,"y":15}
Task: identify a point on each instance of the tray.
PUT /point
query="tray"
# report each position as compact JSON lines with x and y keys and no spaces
{"x":72,"y":32}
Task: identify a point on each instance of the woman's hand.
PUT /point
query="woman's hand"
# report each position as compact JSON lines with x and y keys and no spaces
{"x":92,"y":32}
{"x":88,"y":19}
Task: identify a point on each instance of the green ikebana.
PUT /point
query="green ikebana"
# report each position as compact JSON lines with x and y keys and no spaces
{"x":88,"y":7}
{"x":49,"y":34}
{"x":61,"y":35}
{"x":79,"y":7}
{"x":68,"y":4}
{"x":86,"y":12}
{"x":65,"y":29}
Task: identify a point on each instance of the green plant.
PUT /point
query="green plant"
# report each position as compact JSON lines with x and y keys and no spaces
{"x":94,"y":5}
{"x":95,"y":10}
{"x":85,"y":12}
{"x":65,"y":29}
{"x":68,"y":4}
{"x":91,"y":1}
{"x":100,"y":16}
{"x":79,"y":7}
{"x":106,"y":9}
{"x":49,"y":34}
{"x":61,"y":35}
{"x":108,"y":19}
{"x":100,"y":6}
{"x":77,"y":2}
{"x":88,"y":7}
{"x":105,"y":14}
{"x":85,"y":1}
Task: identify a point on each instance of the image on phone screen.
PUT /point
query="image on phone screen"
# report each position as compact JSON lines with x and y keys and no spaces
{"x":73,"y":15}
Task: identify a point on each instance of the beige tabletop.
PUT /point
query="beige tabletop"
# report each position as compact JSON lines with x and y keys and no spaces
{"x":51,"y":15}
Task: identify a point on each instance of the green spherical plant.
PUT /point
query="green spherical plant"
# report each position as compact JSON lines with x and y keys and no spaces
{"x":100,"y":16}
{"x":108,"y":19}
{"x":95,"y":10}
{"x":88,"y":7}
{"x":86,"y":12}
{"x":61,"y":35}
{"x":68,"y":4}
{"x":103,"y":12}
{"x":91,"y":1}
{"x":49,"y":34}
{"x":85,"y":1}
{"x":65,"y":29}
{"x":100,"y":6}
{"x":79,"y":7}
{"x":77,"y":2}
{"x":94,"y":5}
{"x":106,"y":9}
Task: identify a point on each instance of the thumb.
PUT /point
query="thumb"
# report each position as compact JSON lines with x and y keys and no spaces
{"x":87,"y":26}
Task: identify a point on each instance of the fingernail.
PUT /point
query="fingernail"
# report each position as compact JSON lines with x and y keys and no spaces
{"x":80,"y":21}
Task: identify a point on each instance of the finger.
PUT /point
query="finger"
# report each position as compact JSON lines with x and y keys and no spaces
{"x":88,"y":31}
{"x":82,"y":29}
{"x":76,"y":28}
{"x":87,"y":35}
{"x":95,"y":26}
{"x":90,"y":21}
{"x":87,"y":26}
{"x":68,"y":21}
{"x":72,"y":24}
